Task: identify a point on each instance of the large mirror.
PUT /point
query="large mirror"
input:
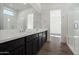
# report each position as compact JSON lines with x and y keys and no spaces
{"x":20,"y":16}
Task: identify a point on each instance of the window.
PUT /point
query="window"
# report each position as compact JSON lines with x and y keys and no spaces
{"x":55,"y":21}
{"x":30,"y":21}
{"x":8,"y":11}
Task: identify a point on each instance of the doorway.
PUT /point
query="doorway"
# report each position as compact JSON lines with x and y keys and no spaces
{"x":55,"y":27}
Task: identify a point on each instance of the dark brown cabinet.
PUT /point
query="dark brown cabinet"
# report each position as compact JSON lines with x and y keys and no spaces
{"x":29,"y":45}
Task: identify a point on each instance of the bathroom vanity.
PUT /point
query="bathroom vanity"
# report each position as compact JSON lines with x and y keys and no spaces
{"x":27,"y":43}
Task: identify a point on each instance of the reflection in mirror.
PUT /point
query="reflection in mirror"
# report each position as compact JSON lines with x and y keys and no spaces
{"x":30,"y":21}
{"x":14,"y":16}
{"x":8,"y":11}
{"x":19,"y":16}
{"x":9,"y":16}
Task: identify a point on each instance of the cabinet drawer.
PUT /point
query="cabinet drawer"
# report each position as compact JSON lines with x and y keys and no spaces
{"x":35,"y":47}
{"x":18,"y":51}
{"x":31,"y":37}
{"x":35,"y":36}
{"x":10,"y":45}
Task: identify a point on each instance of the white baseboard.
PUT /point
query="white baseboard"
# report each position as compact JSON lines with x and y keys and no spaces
{"x":71,"y":49}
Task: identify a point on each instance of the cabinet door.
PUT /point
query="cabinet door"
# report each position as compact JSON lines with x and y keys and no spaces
{"x":40,"y":40}
{"x":6,"y":47}
{"x":35,"y":45}
{"x":18,"y":51}
{"x":28,"y":48}
{"x":44,"y":37}
{"x":28,"y":45}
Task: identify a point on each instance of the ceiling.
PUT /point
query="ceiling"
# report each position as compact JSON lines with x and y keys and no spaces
{"x":18,"y":6}
{"x":22,"y":6}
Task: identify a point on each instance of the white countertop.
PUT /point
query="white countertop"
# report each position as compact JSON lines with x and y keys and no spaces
{"x":7,"y":35}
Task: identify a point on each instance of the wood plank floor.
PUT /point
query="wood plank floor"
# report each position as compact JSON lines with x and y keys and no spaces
{"x":52,"y":49}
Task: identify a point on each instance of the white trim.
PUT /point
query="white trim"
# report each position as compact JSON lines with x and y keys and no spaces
{"x":73,"y":51}
{"x":56,"y":36}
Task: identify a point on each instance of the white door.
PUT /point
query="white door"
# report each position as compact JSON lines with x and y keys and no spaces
{"x":55,"y":22}
{"x":30,"y":21}
{"x":55,"y":27}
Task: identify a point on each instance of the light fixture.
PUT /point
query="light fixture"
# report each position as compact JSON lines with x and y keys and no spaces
{"x":24,"y":3}
{"x":8,"y":20}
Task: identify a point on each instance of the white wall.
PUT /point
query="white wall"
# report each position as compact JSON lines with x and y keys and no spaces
{"x":36,"y":6}
{"x":73,"y":34}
